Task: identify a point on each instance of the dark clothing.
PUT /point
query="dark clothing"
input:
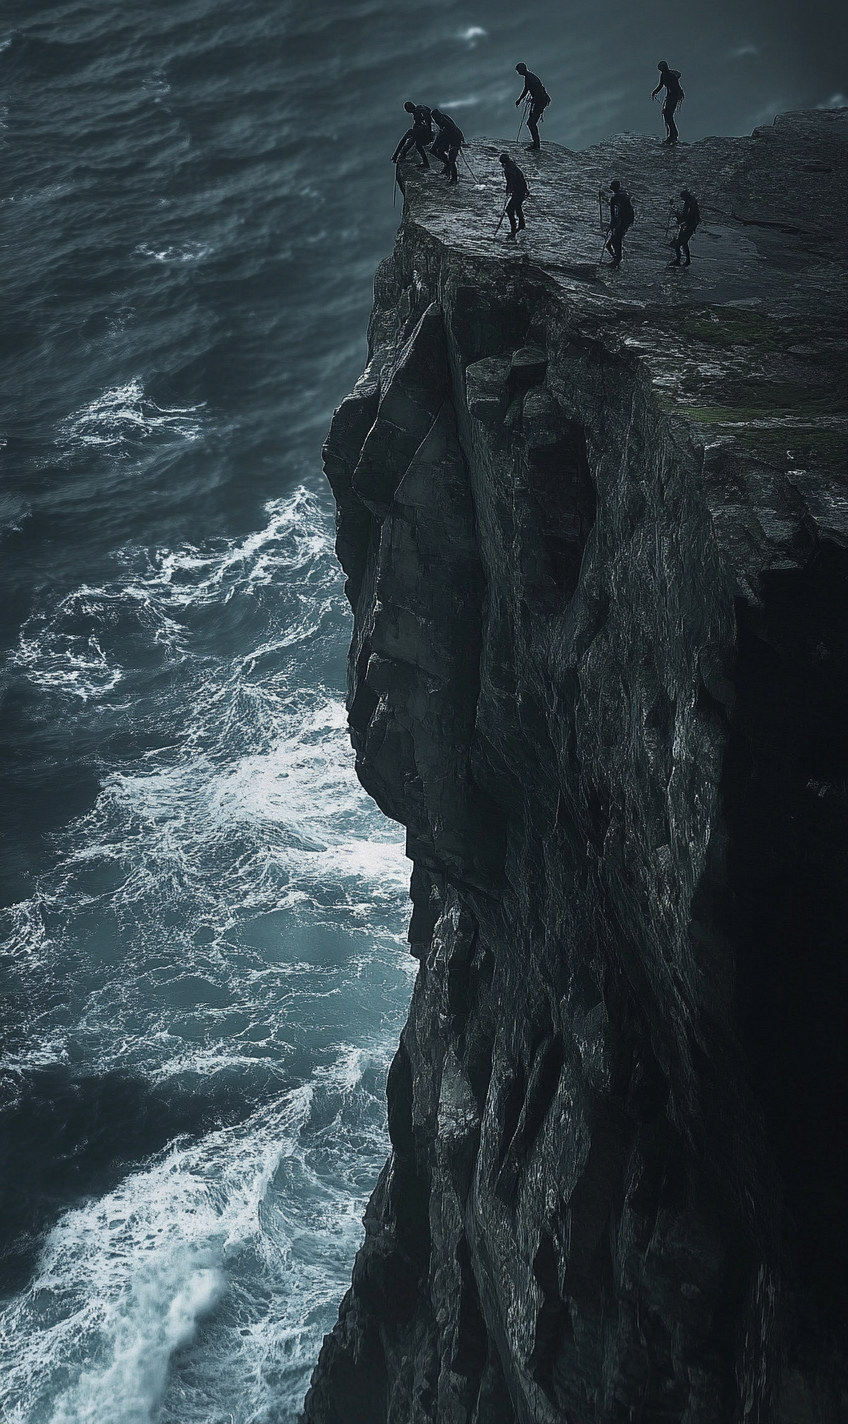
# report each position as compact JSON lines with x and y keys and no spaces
{"x":670,"y":81}
{"x":539,"y":101}
{"x":671,"y":129}
{"x":620,"y":220}
{"x":690,"y":213}
{"x":516,"y":192}
{"x":515,"y":213}
{"x":536,"y":89}
{"x":419,"y":136}
{"x":449,"y":141}
{"x":688,"y":220}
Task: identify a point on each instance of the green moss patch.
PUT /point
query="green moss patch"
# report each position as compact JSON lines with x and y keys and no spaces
{"x":735,"y":328}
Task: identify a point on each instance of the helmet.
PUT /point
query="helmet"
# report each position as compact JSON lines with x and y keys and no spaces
{"x":614,"y":185}
{"x":409,"y":106}
{"x":503,"y":158}
{"x":663,"y":64}
{"x":521,"y":68}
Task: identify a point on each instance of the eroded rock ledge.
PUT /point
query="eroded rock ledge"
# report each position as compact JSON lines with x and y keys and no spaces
{"x":595,"y":531}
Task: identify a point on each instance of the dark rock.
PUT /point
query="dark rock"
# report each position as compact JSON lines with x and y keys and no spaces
{"x":595,"y":527}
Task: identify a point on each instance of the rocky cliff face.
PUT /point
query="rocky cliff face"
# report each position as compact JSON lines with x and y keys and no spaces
{"x":595,"y":530}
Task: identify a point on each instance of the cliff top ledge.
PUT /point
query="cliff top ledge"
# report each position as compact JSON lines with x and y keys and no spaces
{"x":748,"y":342}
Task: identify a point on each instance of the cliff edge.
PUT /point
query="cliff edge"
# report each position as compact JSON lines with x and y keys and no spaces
{"x":595,"y":529}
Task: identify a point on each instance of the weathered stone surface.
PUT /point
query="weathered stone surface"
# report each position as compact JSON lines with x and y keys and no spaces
{"x":595,"y":526}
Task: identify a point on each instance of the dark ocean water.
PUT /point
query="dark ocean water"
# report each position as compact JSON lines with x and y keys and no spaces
{"x":202,"y":917}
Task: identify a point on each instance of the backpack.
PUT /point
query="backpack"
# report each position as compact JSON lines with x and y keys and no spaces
{"x":628,"y":217}
{"x":694,"y":214}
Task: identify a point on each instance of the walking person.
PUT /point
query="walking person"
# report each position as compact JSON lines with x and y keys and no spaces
{"x":419,"y":136}
{"x":622,"y":217}
{"x":687,"y":219}
{"x":449,"y":140}
{"x":516,"y":192}
{"x":670,"y":81}
{"x":535,"y":91}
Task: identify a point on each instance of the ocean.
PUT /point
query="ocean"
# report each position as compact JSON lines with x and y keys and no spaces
{"x":203,"y":967}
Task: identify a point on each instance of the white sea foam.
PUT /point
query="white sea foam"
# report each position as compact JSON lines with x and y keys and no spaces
{"x":202,"y":1284}
{"x":240,"y":828}
{"x":215,"y":924}
{"x":174,"y":252}
{"x":123,"y":416}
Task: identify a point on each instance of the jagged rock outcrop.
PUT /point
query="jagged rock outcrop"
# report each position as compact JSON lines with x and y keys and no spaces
{"x":595,"y":530}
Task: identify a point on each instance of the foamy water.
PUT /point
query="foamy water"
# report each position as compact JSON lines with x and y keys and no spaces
{"x":228,"y":907}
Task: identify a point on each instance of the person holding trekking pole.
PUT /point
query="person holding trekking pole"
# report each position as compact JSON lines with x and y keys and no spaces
{"x":535,"y":91}
{"x":687,"y":219}
{"x":449,"y":141}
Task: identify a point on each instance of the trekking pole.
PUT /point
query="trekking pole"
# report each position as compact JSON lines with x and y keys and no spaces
{"x":394,"y":188}
{"x":500,"y":220}
{"x":606,"y":228}
{"x":524,"y":113}
{"x":468,"y":166}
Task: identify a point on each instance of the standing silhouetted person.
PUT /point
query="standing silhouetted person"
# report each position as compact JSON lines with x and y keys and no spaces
{"x":449,"y":141}
{"x":670,"y":81}
{"x":418,"y":136}
{"x":622,"y":217}
{"x":539,"y":98}
{"x":687,"y":220}
{"x":516,"y":192}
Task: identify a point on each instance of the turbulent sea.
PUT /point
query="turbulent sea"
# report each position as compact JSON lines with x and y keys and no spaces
{"x":202,"y":917}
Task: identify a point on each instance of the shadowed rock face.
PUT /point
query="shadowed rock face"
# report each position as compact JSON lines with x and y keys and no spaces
{"x":595,"y":530}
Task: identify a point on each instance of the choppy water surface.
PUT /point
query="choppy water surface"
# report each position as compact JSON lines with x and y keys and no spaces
{"x":202,"y":917}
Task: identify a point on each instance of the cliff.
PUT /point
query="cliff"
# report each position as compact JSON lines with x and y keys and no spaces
{"x":595,"y":530}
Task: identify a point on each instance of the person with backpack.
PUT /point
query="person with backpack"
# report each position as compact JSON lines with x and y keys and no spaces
{"x":516,"y":192}
{"x":449,"y":141}
{"x":687,"y":220}
{"x":419,"y":136}
{"x":535,"y":91}
{"x":622,"y":217}
{"x":670,"y":81}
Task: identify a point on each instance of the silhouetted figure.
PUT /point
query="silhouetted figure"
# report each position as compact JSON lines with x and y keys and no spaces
{"x":622,"y":217}
{"x":516,"y":192}
{"x":449,"y":141}
{"x":418,"y":136}
{"x":670,"y":81}
{"x":687,"y":219}
{"x":539,"y":101}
